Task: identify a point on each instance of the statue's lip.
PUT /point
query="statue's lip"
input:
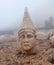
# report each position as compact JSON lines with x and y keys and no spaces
{"x":26,"y":44}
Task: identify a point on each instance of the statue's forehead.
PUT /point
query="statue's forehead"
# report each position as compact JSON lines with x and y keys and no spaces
{"x":26,"y":32}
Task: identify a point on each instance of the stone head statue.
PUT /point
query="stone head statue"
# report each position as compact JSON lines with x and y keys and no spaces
{"x":26,"y":34}
{"x":27,"y":39}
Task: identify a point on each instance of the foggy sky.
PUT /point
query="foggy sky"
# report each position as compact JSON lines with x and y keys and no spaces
{"x":11,"y":12}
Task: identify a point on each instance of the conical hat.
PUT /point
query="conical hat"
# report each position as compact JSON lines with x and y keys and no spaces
{"x":27,"y":23}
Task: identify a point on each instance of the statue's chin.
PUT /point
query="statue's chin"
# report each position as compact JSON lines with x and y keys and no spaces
{"x":27,"y":48}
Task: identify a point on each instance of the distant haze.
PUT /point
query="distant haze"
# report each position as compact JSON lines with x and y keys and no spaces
{"x":11,"y":12}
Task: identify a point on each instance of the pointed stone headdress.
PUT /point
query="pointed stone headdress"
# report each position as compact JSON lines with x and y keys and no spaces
{"x":27,"y":23}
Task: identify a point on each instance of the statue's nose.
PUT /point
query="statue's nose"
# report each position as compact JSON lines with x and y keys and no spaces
{"x":26,"y":39}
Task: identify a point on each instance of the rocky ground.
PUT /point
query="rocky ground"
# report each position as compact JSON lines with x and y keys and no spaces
{"x":10,"y":55}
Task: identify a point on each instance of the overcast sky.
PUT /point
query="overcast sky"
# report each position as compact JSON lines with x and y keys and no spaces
{"x":11,"y":12}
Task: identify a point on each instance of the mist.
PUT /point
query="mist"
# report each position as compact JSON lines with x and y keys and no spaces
{"x":12,"y":11}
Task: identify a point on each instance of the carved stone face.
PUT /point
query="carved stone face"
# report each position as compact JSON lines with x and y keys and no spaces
{"x":27,"y":40}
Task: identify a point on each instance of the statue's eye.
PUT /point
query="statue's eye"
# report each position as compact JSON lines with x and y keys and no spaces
{"x":30,"y":36}
{"x":22,"y":36}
